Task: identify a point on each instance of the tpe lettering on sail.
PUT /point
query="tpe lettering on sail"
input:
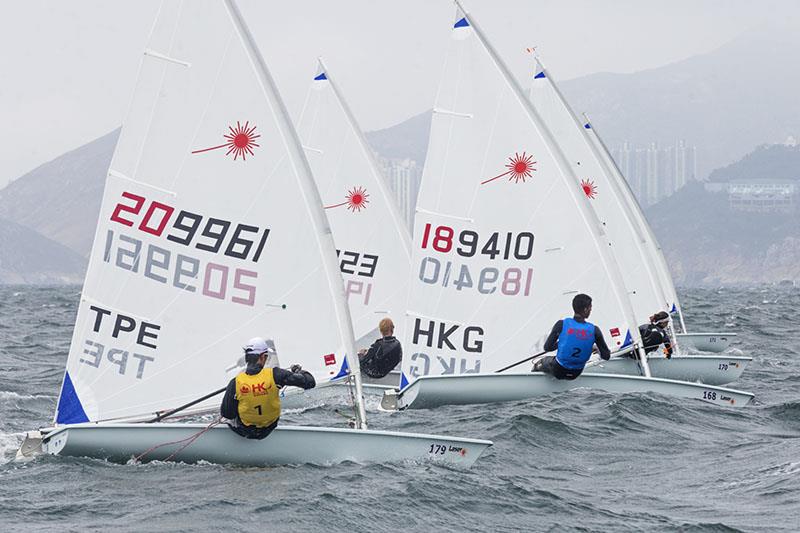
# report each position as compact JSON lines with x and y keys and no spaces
{"x":126,"y":331}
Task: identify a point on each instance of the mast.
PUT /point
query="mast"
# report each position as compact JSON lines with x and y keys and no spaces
{"x":405,"y":237}
{"x":601,"y":240}
{"x":313,"y":201}
{"x":655,"y":249}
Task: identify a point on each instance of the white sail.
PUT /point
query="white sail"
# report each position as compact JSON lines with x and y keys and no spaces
{"x":373,"y":244}
{"x":210,"y":232}
{"x":504,"y":235}
{"x":652,"y":246}
{"x":628,"y":239}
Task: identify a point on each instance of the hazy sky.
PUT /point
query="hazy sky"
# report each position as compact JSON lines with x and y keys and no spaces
{"x":67,"y":67}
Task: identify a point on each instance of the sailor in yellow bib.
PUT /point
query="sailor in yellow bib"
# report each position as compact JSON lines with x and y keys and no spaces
{"x":252,"y":402}
{"x":259,"y":404}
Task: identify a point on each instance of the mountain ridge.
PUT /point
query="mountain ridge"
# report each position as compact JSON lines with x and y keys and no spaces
{"x":28,"y":257}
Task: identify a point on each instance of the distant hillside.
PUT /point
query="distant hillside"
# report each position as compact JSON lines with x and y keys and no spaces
{"x":61,"y":199}
{"x":27,"y":257}
{"x":409,"y":139}
{"x":767,"y":162}
{"x":707,"y":243}
{"x":725,"y":102}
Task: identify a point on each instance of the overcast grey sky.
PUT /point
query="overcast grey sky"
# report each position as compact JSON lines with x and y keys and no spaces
{"x":68,"y":67}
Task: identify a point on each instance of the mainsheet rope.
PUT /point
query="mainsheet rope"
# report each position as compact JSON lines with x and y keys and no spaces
{"x":188,"y":440}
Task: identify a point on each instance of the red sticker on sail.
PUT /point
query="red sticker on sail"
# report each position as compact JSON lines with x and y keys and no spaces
{"x":615,"y":332}
{"x":330,"y":359}
{"x":589,"y":189}
{"x":240,"y":141}
{"x":519,"y":167}
{"x":356,"y":200}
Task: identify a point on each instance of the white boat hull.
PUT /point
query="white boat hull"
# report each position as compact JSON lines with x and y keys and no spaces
{"x":286,"y":445}
{"x":435,"y":391}
{"x":706,"y":342}
{"x":708,"y":369}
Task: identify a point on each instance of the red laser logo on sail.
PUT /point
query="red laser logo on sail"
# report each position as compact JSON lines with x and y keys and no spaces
{"x":519,"y":167}
{"x":357,"y":199}
{"x":589,"y":189}
{"x":240,"y":141}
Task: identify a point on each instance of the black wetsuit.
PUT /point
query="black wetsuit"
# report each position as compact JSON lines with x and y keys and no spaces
{"x":230,"y":405}
{"x":653,"y":336}
{"x":550,"y":365}
{"x":384,"y":354}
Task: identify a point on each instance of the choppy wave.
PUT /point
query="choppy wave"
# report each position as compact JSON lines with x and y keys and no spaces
{"x":579,"y":461}
{"x":11,"y":395}
{"x":9,"y":444}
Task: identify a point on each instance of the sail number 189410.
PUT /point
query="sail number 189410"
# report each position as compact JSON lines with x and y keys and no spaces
{"x":468,"y":243}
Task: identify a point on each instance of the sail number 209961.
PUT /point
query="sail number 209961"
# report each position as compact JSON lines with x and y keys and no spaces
{"x":185,"y":226}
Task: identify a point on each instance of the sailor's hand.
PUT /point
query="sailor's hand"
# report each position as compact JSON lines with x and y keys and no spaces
{"x":667,"y":353}
{"x":362,"y":351}
{"x":295,"y":368}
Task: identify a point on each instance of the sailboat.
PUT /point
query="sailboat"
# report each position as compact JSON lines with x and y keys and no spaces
{"x":705,"y":341}
{"x":373,"y":243}
{"x":632,"y":243}
{"x":504,"y":238}
{"x":211,"y":231}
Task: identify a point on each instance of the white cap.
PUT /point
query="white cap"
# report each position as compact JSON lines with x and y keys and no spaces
{"x":257,"y":345}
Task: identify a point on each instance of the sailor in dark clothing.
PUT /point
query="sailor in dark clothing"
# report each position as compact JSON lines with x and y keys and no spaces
{"x":251,"y":402}
{"x":655,"y":334}
{"x":573,"y":338}
{"x":384,"y":354}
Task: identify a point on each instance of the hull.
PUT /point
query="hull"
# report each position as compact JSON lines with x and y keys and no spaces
{"x":286,"y":445}
{"x":706,"y":342}
{"x":708,"y":369}
{"x":391,"y":379}
{"x":435,"y":391}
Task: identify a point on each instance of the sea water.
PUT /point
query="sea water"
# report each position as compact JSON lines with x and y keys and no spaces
{"x":578,"y":461}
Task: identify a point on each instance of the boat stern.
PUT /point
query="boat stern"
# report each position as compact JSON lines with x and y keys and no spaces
{"x":706,"y":342}
{"x":31,"y":446}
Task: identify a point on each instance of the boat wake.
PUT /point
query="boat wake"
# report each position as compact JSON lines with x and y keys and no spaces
{"x":9,"y":444}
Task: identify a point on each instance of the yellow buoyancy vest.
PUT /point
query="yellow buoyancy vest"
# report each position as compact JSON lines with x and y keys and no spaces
{"x":259,"y":404}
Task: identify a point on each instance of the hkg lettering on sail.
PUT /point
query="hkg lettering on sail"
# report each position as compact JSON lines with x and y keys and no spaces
{"x":451,"y":337}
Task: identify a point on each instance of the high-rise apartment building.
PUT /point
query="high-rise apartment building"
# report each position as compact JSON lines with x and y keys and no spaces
{"x":656,"y":172}
{"x":403,"y":177}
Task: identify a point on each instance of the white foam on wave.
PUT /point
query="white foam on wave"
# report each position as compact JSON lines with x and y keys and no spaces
{"x":788,"y":468}
{"x":9,"y":444}
{"x":297,"y":409}
{"x":11,"y":395}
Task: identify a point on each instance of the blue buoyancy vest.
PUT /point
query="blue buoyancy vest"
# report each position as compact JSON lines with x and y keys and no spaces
{"x":575,"y":344}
